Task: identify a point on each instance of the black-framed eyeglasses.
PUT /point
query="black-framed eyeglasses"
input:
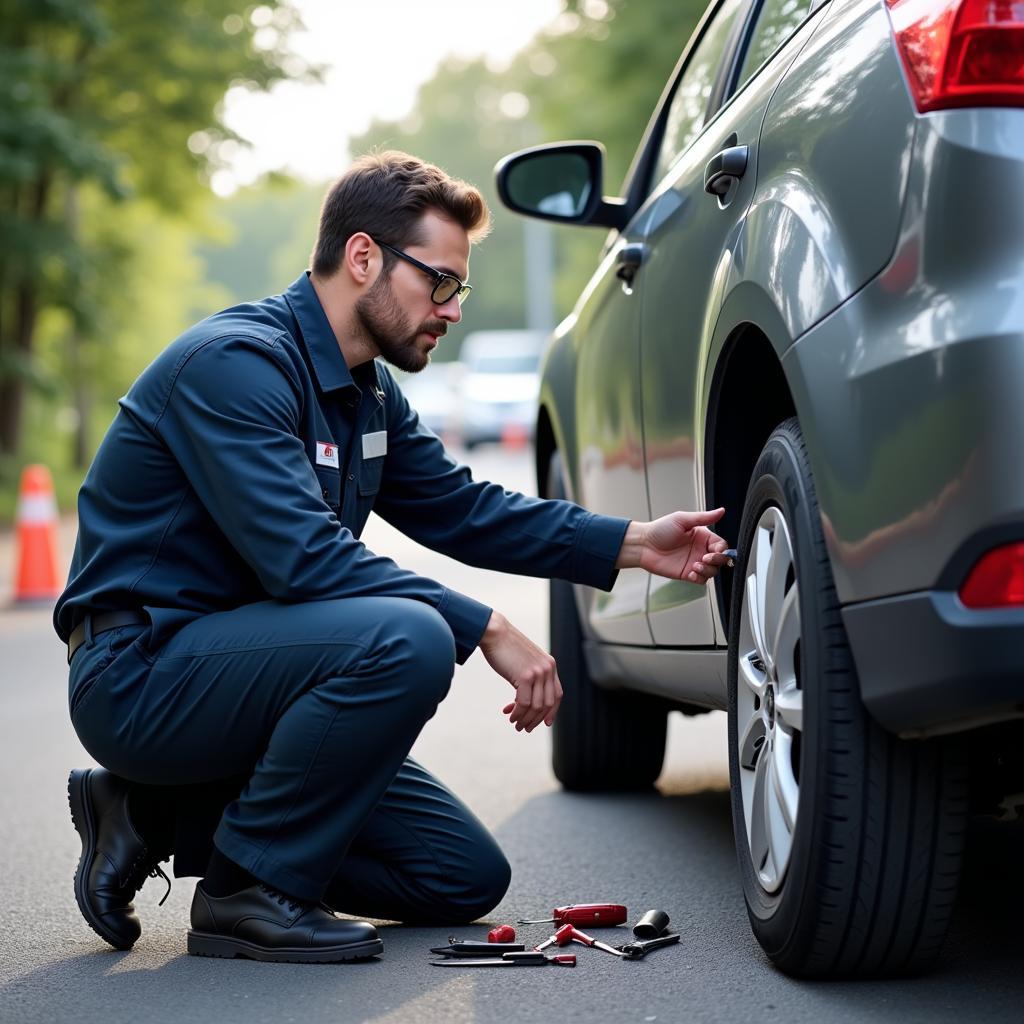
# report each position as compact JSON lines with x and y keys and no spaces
{"x":445,"y":285}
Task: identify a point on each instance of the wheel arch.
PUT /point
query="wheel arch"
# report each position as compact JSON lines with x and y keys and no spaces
{"x":748,"y":397}
{"x":556,"y":410}
{"x":544,"y":448}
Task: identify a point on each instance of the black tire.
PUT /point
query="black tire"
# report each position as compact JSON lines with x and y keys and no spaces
{"x":602,"y":740}
{"x":879,"y":831}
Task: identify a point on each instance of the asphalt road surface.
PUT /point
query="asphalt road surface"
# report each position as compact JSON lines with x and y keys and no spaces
{"x":671,"y":849}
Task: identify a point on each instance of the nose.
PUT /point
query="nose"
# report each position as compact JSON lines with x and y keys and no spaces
{"x":450,"y":310}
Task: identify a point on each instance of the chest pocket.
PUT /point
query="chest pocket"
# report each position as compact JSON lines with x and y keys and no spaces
{"x":370,"y":473}
{"x":330,"y":485}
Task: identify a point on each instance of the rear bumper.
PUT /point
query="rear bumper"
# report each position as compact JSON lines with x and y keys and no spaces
{"x":928,"y":665}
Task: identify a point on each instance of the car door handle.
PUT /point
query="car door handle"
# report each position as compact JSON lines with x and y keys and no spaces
{"x":724,"y":168}
{"x":629,"y":259}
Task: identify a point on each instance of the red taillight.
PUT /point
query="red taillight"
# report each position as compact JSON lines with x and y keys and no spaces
{"x":961,"y":53}
{"x":997,"y":580}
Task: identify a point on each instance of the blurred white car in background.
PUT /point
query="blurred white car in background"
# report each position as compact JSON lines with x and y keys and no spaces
{"x":499,"y":389}
{"x":434,"y":394}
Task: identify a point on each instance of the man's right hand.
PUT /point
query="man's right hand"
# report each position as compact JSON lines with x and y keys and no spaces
{"x":531,"y":670}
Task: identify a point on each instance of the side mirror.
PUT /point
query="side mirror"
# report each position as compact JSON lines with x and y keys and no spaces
{"x":560,"y":182}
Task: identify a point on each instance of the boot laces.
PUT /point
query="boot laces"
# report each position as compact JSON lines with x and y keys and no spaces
{"x":142,"y":868}
{"x":282,"y":898}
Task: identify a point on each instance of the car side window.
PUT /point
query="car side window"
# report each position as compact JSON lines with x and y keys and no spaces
{"x":777,"y":20}
{"x":688,"y":109}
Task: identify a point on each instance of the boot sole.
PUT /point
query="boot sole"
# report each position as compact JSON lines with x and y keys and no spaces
{"x":208,"y":944}
{"x":85,"y":826}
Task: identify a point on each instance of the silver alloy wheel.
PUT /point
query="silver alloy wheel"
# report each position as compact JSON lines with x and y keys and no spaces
{"x":769,"y":699}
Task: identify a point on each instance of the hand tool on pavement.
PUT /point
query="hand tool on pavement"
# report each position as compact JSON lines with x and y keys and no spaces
{"x":651,"y":925}
{"x":561,"y":938}
{"x":586,"y":914}
{"x":458,"y":947}
{"x":578,"y":936}
{"x":530,"y":958}
{"x":503,"y":933}
{"x":636,"y":950}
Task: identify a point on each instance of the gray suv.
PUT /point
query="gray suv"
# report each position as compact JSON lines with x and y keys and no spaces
{"x":809,"y":310}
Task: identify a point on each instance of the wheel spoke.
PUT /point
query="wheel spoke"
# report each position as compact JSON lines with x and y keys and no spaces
{"x":757,"y":593}
{"x":752,"y":741}
{"x":769,"y":868}
{"x":789,"y":708}
{"x":786,"y":790}
{"x":753,"y":610}
{"x":785,"y":638}
{"x":779,"y":564}
{"x":751,"y":677}
{"x":758,"y":825}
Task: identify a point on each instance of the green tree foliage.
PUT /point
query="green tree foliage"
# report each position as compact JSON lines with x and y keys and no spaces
{"x":598,"y":73}
{"x":271,"y":228}
{"x":595,"y":73}
{"x":106,"y":104}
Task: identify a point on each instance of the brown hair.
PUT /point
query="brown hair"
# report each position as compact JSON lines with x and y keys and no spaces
{"x":385,"y":195}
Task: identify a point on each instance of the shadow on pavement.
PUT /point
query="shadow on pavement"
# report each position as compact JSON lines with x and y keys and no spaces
{"x":671,"y":852}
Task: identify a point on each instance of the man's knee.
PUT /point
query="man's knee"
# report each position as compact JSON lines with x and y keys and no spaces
{"x":461,"y":897}
{"x":490,"y":882}
{"x":424,"y":641}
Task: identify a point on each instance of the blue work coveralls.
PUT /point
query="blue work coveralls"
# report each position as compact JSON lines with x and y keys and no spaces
{"x":285,"y":670}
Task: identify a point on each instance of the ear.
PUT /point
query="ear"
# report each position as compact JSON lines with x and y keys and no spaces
{"x":362,"y":258}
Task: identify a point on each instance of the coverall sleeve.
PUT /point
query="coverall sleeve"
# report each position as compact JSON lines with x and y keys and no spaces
{"x":435,"y":501}
{"x":231,"y":419}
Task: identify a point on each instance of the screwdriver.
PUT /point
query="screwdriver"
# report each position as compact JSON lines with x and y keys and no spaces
{"x":561,"y":938}
{"x":586,"y":913}
{"x":582,"y":937}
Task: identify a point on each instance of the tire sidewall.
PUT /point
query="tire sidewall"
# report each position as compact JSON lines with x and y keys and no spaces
{"x":782,"y":479}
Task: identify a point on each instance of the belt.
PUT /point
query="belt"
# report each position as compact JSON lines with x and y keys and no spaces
{"x":100,"y":624}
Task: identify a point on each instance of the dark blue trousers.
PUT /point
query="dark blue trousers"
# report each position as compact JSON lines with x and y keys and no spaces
{"x":315,"y":708}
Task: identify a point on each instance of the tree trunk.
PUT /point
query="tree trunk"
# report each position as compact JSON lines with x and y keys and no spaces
{"x":18,"y":343}
{"x":12,"y":387}
{"x":80,"y":391}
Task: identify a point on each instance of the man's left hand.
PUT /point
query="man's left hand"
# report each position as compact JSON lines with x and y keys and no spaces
{"x":678,"y":546}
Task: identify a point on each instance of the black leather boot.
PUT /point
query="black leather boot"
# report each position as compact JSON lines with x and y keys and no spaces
{"x":115,"y":859}
{"x":263,"y":924}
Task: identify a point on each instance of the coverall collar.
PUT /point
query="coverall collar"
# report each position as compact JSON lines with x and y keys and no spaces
{"x":332,"y":372}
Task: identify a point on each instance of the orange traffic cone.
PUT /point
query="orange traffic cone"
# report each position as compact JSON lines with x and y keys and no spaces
{"x":514,"y":436}
{"x":35,"y":577}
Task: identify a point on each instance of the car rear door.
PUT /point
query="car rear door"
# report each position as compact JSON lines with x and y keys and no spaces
{"x":691,"y":237}
{"x":610,"y":471}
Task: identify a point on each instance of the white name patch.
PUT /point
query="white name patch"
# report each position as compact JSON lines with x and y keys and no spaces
{"x":375,"y":445}
{"x":326,"y":454}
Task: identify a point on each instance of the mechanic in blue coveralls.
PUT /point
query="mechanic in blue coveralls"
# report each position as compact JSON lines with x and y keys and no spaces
{"x":250,"y":676}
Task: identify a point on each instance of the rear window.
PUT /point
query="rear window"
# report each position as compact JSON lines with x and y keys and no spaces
{"x":689,"y":104}
{"x":777,"y":20}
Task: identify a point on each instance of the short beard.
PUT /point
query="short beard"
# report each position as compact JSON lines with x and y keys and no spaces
{"x":380,"y":316}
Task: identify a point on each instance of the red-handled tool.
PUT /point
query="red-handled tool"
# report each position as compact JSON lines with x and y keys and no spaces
{"x":561,"y":938}
{"x":586,"y":940}
{"x":503,"y":933}
{"x":600,"y":914}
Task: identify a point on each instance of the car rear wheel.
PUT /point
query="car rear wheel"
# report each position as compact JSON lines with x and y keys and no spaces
{"x":849,"y":839}
{"x":602,"y":740}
